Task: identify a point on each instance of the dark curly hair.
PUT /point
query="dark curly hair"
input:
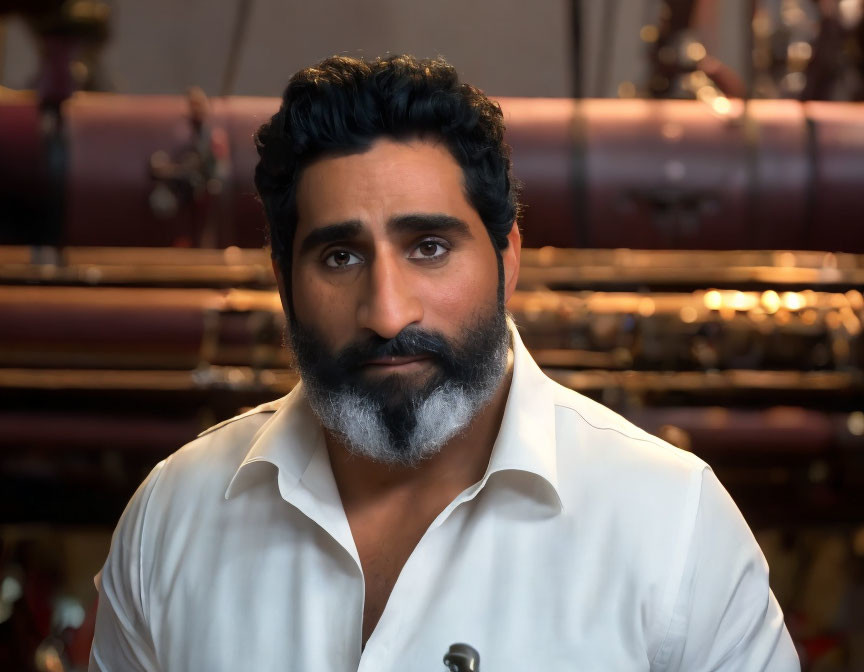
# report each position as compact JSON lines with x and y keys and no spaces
{"x":344,"y":104}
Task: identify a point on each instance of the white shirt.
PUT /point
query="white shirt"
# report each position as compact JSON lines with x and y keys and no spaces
{"x":588,"y":545}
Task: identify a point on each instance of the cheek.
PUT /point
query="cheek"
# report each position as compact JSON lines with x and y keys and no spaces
{"x":473,"y":290}
{"x":323,"y":306}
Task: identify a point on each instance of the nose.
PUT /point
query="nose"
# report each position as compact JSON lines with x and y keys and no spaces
{"x":391,"y":302}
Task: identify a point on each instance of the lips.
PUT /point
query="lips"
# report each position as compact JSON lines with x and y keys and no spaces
{"x":396,"y":361}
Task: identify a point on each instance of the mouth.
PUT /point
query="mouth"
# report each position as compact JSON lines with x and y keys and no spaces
{"x":390,"y":364}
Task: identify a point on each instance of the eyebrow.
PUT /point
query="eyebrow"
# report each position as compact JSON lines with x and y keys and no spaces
{"x":331,"y":234}
{"x":410,"y":223}
{"x":422,"y":222}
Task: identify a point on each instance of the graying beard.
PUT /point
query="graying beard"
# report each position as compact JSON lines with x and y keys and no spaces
{"x":444,"y":414}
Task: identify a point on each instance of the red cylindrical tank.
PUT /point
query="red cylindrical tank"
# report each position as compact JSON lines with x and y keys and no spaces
{"x":648,"y":174}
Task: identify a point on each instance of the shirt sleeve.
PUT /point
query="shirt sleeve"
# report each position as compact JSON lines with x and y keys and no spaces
{"x":122,"y":640}
{"x":725,"y":619}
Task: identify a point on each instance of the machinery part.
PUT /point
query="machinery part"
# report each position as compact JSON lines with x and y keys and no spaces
{"x":662,"y":174}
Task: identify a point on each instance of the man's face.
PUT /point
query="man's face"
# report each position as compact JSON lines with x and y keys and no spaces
{"x":395,"y":291}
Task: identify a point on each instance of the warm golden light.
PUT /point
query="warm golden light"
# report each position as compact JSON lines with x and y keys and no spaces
{"x":809,"y":316}
{"x":696,"y":51}
{"x":688,"y":314}
{"x":771,"y":301}
{"x":706,"y":93}
{"x":646,"y":307}
{"x":799,"y":51}
{"x":698,"y":78}
{"x":233,"y":255}
{"x":850,"y":321}
{"x":649,"y":33}
{"x":855,"y":299}
{"x":787,"y":259}
{"x":713,"y":300}
{"x":855,"y":423}
{"x":792,"y":301}
{"x":721,"y":105}
{"x":741,"y":301}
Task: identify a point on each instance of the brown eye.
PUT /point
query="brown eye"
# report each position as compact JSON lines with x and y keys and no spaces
{"x":341,"y":259}
{"x":429,"y":249}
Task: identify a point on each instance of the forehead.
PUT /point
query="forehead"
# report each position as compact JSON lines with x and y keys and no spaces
{"x":390,"y":178}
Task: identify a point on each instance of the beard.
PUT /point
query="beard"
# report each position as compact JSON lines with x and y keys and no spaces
{"x":401,"y":419}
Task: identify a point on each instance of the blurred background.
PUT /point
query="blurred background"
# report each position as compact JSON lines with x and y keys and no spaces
{"x":693,"y":172}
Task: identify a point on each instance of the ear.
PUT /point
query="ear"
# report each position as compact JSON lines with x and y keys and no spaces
{"x":511,"y":257}
{"x":280,"y":282}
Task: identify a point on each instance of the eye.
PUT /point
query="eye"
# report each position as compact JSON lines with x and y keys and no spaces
{"x":341,"y":259}
{"x":429,"y":249}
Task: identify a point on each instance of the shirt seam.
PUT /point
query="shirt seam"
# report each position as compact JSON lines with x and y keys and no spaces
{"x":652,"y":441}
{"x":145,"y":608}
{"x":230,"y":421}
{"x":746,"y":635}
{"x":680,"y":578}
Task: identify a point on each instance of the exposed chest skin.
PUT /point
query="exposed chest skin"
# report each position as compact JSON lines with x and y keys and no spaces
{"x":385,"y":535}
{"x":390,"y":508}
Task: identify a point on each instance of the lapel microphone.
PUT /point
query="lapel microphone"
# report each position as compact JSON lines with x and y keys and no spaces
{"x":462,"y":658}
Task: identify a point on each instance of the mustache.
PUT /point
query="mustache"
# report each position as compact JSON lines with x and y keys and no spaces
{"x":410,"y":342}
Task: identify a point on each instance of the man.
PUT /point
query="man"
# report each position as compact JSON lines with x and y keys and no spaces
{"x":426,"y":484}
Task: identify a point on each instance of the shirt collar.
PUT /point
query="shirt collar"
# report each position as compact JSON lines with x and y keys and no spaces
{"x":292,"y":439}
{"x":526,"y":443}
{"x":289,"y":439}
{"x":527,"y":439}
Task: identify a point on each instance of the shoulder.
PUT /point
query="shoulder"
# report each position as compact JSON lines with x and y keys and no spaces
{"x":618,"y":471}
{"x":209,"y":461}
{"x":193,"y":479}
{"x":631,"y":492}
{"x":178,"y":498}
{"x":260,"y":412}
{"x":602,"y":435}
{"x":184,"y":490}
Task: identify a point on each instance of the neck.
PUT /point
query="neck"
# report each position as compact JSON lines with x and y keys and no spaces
{"x":460,"y":463}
